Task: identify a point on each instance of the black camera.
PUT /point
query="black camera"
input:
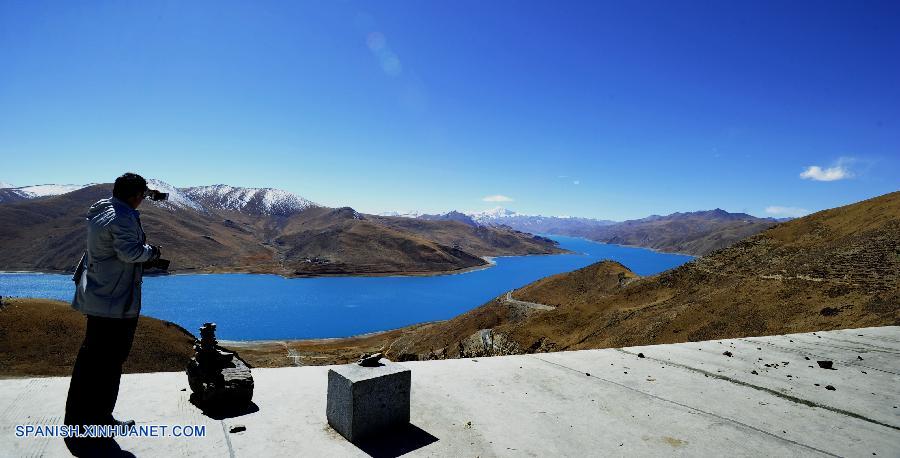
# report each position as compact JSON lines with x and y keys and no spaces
{"x":155,"y":195}
{"x":161,"y":264}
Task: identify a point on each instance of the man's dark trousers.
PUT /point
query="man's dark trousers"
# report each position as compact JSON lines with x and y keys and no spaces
{"x":98,"y":368}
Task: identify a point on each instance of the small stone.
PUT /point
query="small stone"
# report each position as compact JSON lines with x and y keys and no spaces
{"x":825,"y":364}
{"x":587,"y":373}
{"x":754,"y":372}
{"x":184,"y":389}
{"x":830,"y":388}
{"x":237,"y":429}
{"x":859,"y":357}
{"x":816,"y":384}
{"x":370,"y":360}
{"x":806,"y":358}
{"x":727,"y":353}
{"x":640,"y":355}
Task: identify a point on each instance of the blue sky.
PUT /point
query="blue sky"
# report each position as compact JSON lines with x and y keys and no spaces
{"x":603,"y":109}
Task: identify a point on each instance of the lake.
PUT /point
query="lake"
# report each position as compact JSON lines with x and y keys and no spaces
{"x":255,"y":307}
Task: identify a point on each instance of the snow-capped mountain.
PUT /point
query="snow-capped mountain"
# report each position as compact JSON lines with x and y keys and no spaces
{"x":536,"y":224}
{"x":252,"y":201}
{"x":257,"y":201}
{"x":402,"y":214}
{"x":494,"y":213}
{"x":9,"y":193}
{"x":44,"y":190}
{"x":177,"y":197}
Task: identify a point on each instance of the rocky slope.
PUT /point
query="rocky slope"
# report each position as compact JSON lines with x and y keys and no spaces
{"x":838,"y":268}
{"x":217,"y":229}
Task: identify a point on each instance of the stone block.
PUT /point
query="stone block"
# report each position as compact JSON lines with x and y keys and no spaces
{"x":364,"y":401}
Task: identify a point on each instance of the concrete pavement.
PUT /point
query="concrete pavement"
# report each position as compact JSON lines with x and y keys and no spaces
{"x":682,"y":399}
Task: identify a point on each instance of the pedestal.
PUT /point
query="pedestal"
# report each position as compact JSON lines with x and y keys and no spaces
{"x":363,"y":401}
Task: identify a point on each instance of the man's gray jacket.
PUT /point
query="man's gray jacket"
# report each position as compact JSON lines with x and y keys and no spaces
{"x":110,"y":281}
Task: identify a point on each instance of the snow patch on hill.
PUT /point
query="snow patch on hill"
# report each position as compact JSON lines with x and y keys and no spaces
{"x":45,"y":190}
{"x":4,"y":184}
{"x":403,"y":214}
{"x":496,"y":212}
{"x":266,"y":201}
{"x":177,"y":198}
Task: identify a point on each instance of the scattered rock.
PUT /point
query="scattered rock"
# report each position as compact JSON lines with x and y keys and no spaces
{"x":371,"y":360}
{"x":859,"y":357}
{"x":816,"y":384}
{"x":806,"y":358}
{"x":237,"y":429}
{"x":830,"y":388}
{"x":727,"y":353}
{"x":754,"y":372}
{"x":640,"y":355}
{"x":587,"y":373}
{"x":184,"y":389}
{"x":826,"y":364}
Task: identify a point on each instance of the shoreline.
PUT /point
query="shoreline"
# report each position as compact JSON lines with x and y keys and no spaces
{"x":489,"y":262}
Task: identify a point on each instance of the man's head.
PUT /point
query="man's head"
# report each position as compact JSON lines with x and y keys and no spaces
{"x":130,"y":188}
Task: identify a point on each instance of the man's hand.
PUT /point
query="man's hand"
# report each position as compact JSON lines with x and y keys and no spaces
{"x":155,"y":252}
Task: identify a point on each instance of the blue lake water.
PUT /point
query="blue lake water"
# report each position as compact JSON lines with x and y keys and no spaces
{"x":251,"y":306}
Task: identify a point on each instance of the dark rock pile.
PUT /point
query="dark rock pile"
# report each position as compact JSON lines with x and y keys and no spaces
{"x":220,"y":380}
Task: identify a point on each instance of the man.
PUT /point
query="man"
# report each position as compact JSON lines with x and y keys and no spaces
{"x":108,"y":290}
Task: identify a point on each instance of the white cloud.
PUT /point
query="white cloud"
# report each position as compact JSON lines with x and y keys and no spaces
{"x":497,"y":198}
{"x":779,"y":211}
{"x":576,"y":182}
{"x":839,"y":171}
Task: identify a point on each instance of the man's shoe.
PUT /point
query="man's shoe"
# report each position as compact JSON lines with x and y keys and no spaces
{"x":126,"y":423}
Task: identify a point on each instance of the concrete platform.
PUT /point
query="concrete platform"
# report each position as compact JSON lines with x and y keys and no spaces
{"x":684,"y":399}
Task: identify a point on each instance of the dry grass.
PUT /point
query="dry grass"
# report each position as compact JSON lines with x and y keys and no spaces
{"x":41,"y":337}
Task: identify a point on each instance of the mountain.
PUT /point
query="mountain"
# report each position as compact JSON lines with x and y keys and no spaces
{"x":536,"y":224}
{"x":696,"y":233}
{"x":253,"y":201}
{"x":451,"y":216}
{"x":4,"y":184}
{"x":226,"y":229}
{"x":837,"y":268}
{"x":12,"y":194}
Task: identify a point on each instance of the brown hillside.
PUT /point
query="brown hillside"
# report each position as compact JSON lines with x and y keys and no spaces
{"x":835,"y":269}
{"x":695,"y":233}
{"x":42,"y":337}
{"x":47,"y":234}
